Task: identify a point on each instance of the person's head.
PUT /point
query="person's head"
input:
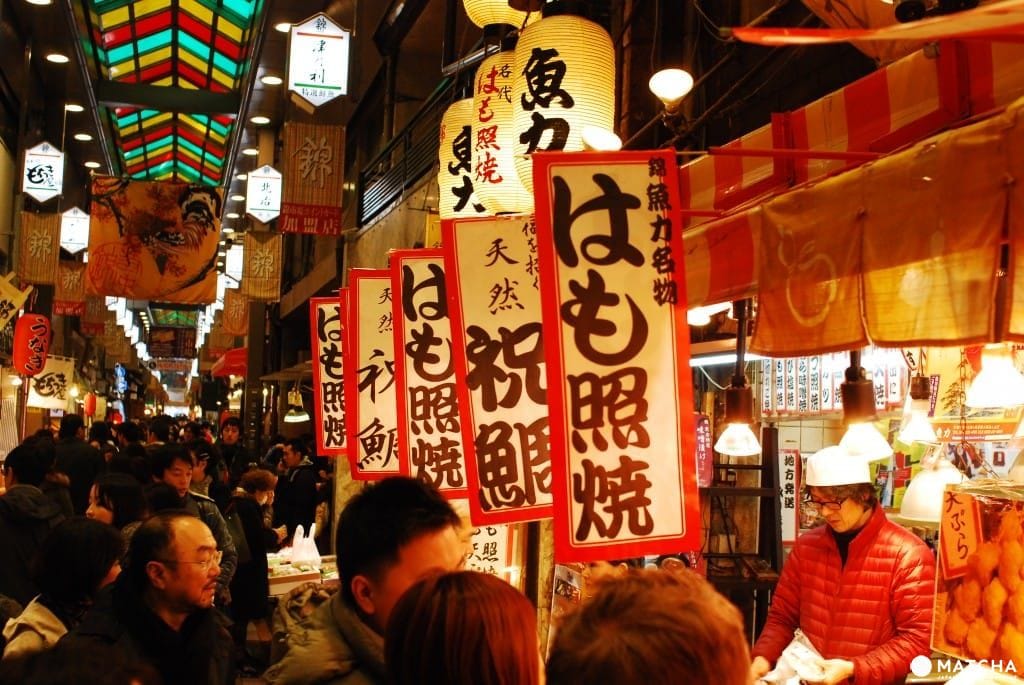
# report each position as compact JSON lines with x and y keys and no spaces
{"x":230,"y":430}
{"x":128,"y":432}
{"x":78,"y":557}
{"x":173,"y":560}
{"x":294,"y":451}
{"x":202,"y":457}
{"x":259,"y":484}
{"x":463,"y":628}
{"x":191,"y":431}
{"x":389,"y":536}
{"x":29,"y":462}
{"x":117,"y":499}
{"x":160,"y":428}
{"x":172,"y":465}
{"x":161,"y":497}
{"x":99,"y":432}
{"x":840,"y":487}
{"x":71,"y":426}
{"x":651,"y":627}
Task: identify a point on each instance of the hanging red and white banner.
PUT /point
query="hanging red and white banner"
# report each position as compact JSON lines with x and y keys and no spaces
{"x":499,"y":351}
{"x":617,"y":348}
{"x":429,"y":428}
{"x":327,"y":339}
{"x":372,"y":418}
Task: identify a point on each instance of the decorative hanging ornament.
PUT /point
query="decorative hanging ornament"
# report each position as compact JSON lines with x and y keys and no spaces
{"x":456,"y":196}
{"x":31,"y":343}
{"x":564,"y":81}
{"x":487,"y":12}
{"x":495,"y":178}
{"x":89,"y":404}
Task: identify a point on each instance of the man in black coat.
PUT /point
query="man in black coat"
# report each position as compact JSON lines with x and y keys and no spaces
{"x":295,"y":496}
{"x":26,"y":517}
{"x":79,"y":460}
{"x":161,"y":609}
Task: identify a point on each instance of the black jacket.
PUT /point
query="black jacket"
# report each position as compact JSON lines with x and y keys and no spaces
{"x":82,"y":463}
{"x":250,"y":587}
{"x":201,"y":653}
{"x":26,"y":517}
{"x":295,"y":497}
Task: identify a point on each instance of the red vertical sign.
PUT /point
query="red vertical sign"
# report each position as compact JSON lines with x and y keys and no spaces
{"x":327,"y":338}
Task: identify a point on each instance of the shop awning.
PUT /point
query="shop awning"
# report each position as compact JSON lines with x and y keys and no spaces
{"x":234,"y":362}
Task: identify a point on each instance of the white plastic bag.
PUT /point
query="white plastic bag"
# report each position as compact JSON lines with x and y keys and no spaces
{"x":800,"y":661}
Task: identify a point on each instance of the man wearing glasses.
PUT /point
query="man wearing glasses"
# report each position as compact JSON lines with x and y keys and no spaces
{"x":859,"y":587}
{"x":160,"y":611}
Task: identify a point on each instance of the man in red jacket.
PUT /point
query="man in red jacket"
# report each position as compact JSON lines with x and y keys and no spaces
{"x":860,"y":588}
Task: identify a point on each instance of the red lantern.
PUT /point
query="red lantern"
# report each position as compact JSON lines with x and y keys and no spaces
{"x":31,"y":343}
{"x":89,"y":404}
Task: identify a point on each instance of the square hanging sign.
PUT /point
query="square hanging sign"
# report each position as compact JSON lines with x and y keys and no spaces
{"x":43,"y":176}
{"x":263,"y":194}
{"x":318,"y":60}
{"x":74,"y":230}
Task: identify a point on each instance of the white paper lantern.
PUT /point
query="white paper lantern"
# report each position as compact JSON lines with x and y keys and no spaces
{"x":455,"y":173}
{"x":486,"y":12}
{"x":495,"y":178}
{"x":564,"y":80}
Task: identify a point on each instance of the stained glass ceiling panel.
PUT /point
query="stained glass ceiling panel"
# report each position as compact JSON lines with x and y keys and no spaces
{"x":183,"y":318}
{"x":184,"y":46}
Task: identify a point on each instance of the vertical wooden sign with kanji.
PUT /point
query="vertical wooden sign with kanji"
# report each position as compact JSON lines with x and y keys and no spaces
{"x":613,"y":289}
{"x":499,"y":350}
{"x":372,"y":417}
{"x":327,"y":337}
{"x":429,"y":427}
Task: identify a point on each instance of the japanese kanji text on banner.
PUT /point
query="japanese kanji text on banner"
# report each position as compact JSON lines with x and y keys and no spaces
{"x":619,"y":388}
{"x":499,"y":350}
{"x":327,"y":335}
{"x":370,"y":378}
{"x":49,"y":389}
{"x":429,"y":428}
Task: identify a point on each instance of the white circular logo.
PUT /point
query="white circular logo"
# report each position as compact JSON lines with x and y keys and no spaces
{"x":920,"y":665}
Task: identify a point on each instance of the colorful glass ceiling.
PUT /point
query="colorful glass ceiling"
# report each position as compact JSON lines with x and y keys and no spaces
{"x":189,"y":48}
{"x":184,"y":318}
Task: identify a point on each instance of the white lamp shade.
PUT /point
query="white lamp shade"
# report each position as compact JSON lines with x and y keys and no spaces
{"x":864,"y":441}
{"x":671,"y":85}
{"x":923,"y":499}
{"x":738,"y":440}
{"x":495,"y":178}
{"x":486,"y":12}
{"x":917,"y":427}
{"x":456,"y":196}
{"x":564,"y":80}
{"x":999,"y":383}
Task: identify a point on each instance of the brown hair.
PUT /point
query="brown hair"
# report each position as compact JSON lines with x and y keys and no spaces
{"x":651,"y":627}
{"x":859,"y":492}
{"x":462,"y":628}
{"x":256,"y":480}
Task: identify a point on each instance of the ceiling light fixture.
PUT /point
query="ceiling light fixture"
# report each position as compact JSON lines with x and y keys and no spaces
{"x":238,"y":198}
{"x":57,"y":58}
{"x":269,"y":80}
{"x":283,"y":26}
{"x":250,"y":152}
{"x":242,"y":177}
{"x":671,"y":86}
{"x":231,"y":215}
{"x":84,"y":137}
{"x":259,"y":120}
{"x":92,"y":165}
{"x":999,"y":383}
{"x":38,"y":2}
{"x":72,"y":107}
{"x":738,"y":440}
{"x":858,"y":393}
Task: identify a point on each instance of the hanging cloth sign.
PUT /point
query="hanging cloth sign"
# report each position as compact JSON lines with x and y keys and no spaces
{"x":49,"y":389}
{"x":615,"y":334}
{"x":314,"y":175}
{"x":39,"y":250}
{"x":43,"y":175}
{"x":429,"y":429}
{"x":370,"y":378}
{"x":11,"y":299}
{"x":235,"y":319}
{"x":261,"y":273}
{"x":32,"y":336}
{"x":499,"y":351}
{"x":327,"y":335}
{"x":69,"y":295}
{"x":74,"y":230}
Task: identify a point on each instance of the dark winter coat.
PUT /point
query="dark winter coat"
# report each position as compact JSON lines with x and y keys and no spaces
{"x":250,"y":588}
{"x":26,"y":517}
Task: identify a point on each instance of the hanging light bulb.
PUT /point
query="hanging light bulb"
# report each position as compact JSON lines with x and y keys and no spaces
{"x":999,"y":383}
{"x":861,"y":438}
{"x":916,"y":426}
{"x":296,"y":411}
{"x":922,"y":502}
{"x":738,"y":440}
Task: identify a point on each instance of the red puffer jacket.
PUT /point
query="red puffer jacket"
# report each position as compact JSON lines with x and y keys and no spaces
{"x":876,"y":611}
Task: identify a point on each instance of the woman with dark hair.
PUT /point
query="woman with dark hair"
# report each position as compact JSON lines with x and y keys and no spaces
{"x":78,"y":558}
{"x":117,"y":499}
{"x":209,"y":475}
{"x":463,"y":628}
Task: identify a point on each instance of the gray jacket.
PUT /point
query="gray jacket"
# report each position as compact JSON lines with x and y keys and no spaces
{"x":332,"y":646}
{"x":208,"y":513}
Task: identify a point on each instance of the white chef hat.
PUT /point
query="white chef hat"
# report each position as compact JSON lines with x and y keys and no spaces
{"x":833,"y":466}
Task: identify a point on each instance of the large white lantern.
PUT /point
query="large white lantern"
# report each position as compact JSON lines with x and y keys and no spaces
{"x":564,"y":80}
{"x":486,"y":12}
{"x":455,"y":173}
{"x":495,"y":178}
